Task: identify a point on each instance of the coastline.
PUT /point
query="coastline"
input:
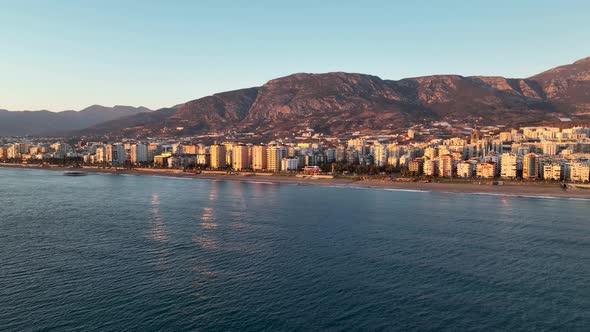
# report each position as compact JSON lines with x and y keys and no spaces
{"x":522,"y":190}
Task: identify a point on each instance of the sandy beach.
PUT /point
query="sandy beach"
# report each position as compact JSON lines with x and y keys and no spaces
{"x":512,"y":189}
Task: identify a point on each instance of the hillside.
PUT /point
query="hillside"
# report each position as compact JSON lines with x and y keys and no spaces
{"x":338,"y":103}
{"x":568,"y":86}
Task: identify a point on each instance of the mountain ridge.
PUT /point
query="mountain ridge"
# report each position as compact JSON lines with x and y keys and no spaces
{"x":340,"y":103}
{"x":44,"y":122}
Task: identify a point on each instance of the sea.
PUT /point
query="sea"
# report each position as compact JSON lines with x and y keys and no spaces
{"x":108,"y":252}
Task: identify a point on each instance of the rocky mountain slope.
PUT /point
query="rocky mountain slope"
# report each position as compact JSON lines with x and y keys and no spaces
{"x":338,"y":103}
{"x":568,"y":86}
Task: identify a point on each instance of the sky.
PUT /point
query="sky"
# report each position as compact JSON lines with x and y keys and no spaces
{"x":61,"y":55}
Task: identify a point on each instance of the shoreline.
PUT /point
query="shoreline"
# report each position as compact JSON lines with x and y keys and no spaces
{"x":517,"y":190}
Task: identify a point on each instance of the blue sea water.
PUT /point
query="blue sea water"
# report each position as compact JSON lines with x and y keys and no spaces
{"x":141,"y":253}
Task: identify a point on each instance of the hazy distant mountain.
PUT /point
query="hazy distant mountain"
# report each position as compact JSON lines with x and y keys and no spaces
{"x":47,"y":123}
{"x":339,"y":103}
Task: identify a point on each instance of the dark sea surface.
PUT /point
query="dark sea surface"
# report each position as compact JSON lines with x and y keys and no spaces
{"x":144,"y":253}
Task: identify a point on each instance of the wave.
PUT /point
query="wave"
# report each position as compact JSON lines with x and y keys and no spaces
{"x":516,"y":195}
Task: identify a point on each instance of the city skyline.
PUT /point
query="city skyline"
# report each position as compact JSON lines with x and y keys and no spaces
{"x":528,"y":154}
{"x":156,"y":55}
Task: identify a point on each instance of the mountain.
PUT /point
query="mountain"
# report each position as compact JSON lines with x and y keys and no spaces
{"x":49,"y":123}
{"x":339,"y":103}
{"x":568,"y":86}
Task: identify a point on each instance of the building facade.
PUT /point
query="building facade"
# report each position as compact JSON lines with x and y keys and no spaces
{"x":218,"y":156}
{"x":240,"y":158}
{"x":259,"y":158}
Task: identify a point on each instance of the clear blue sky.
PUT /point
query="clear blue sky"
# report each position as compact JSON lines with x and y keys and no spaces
{"x":57,"y":54}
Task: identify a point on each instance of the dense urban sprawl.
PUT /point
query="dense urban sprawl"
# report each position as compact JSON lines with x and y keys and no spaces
{"x":528,"y":153}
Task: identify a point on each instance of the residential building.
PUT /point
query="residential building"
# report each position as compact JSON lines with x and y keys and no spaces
{"x":550,"y":148}
{"x":580,"y":172}
{"x":430,"y":167}
{"x":203,"y":159}
{"x":415,"y":167}
{"x":445,"y":166}
{"x":380,"y":154}
{"x":139,"y":153}
{"x":182,"y":161}
{"x":161,"y":160}
{"x":289,"y":164}
{"x":430,"y":153}
{"x":259,"y":157}
{"x":218,"y":157}
{"x":330,"y":155}
{"x":189,"y":149}
{"x":358,"y":144}
{"x":154,"y":149}
{"x":530,"y":166}
{"x":60,"y":150}
{"x":100,"y":155}
{"x":465,"y":169}
{"x":115,"y":154}
{"x":486,"y":170}
{"x":274,"y":155}
{"x":509,"y":165}
{"x":240,"y":157}
{"x":552,"y":172}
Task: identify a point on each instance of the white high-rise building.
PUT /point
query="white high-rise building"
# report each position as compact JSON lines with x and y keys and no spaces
{"x":101,"y":154}
{"x":380,"y":154}
{"x":509,"y":165}
{"x":139,"y":153}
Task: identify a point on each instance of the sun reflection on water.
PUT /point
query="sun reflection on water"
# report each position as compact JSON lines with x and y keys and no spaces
{"x":158,"y":229}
